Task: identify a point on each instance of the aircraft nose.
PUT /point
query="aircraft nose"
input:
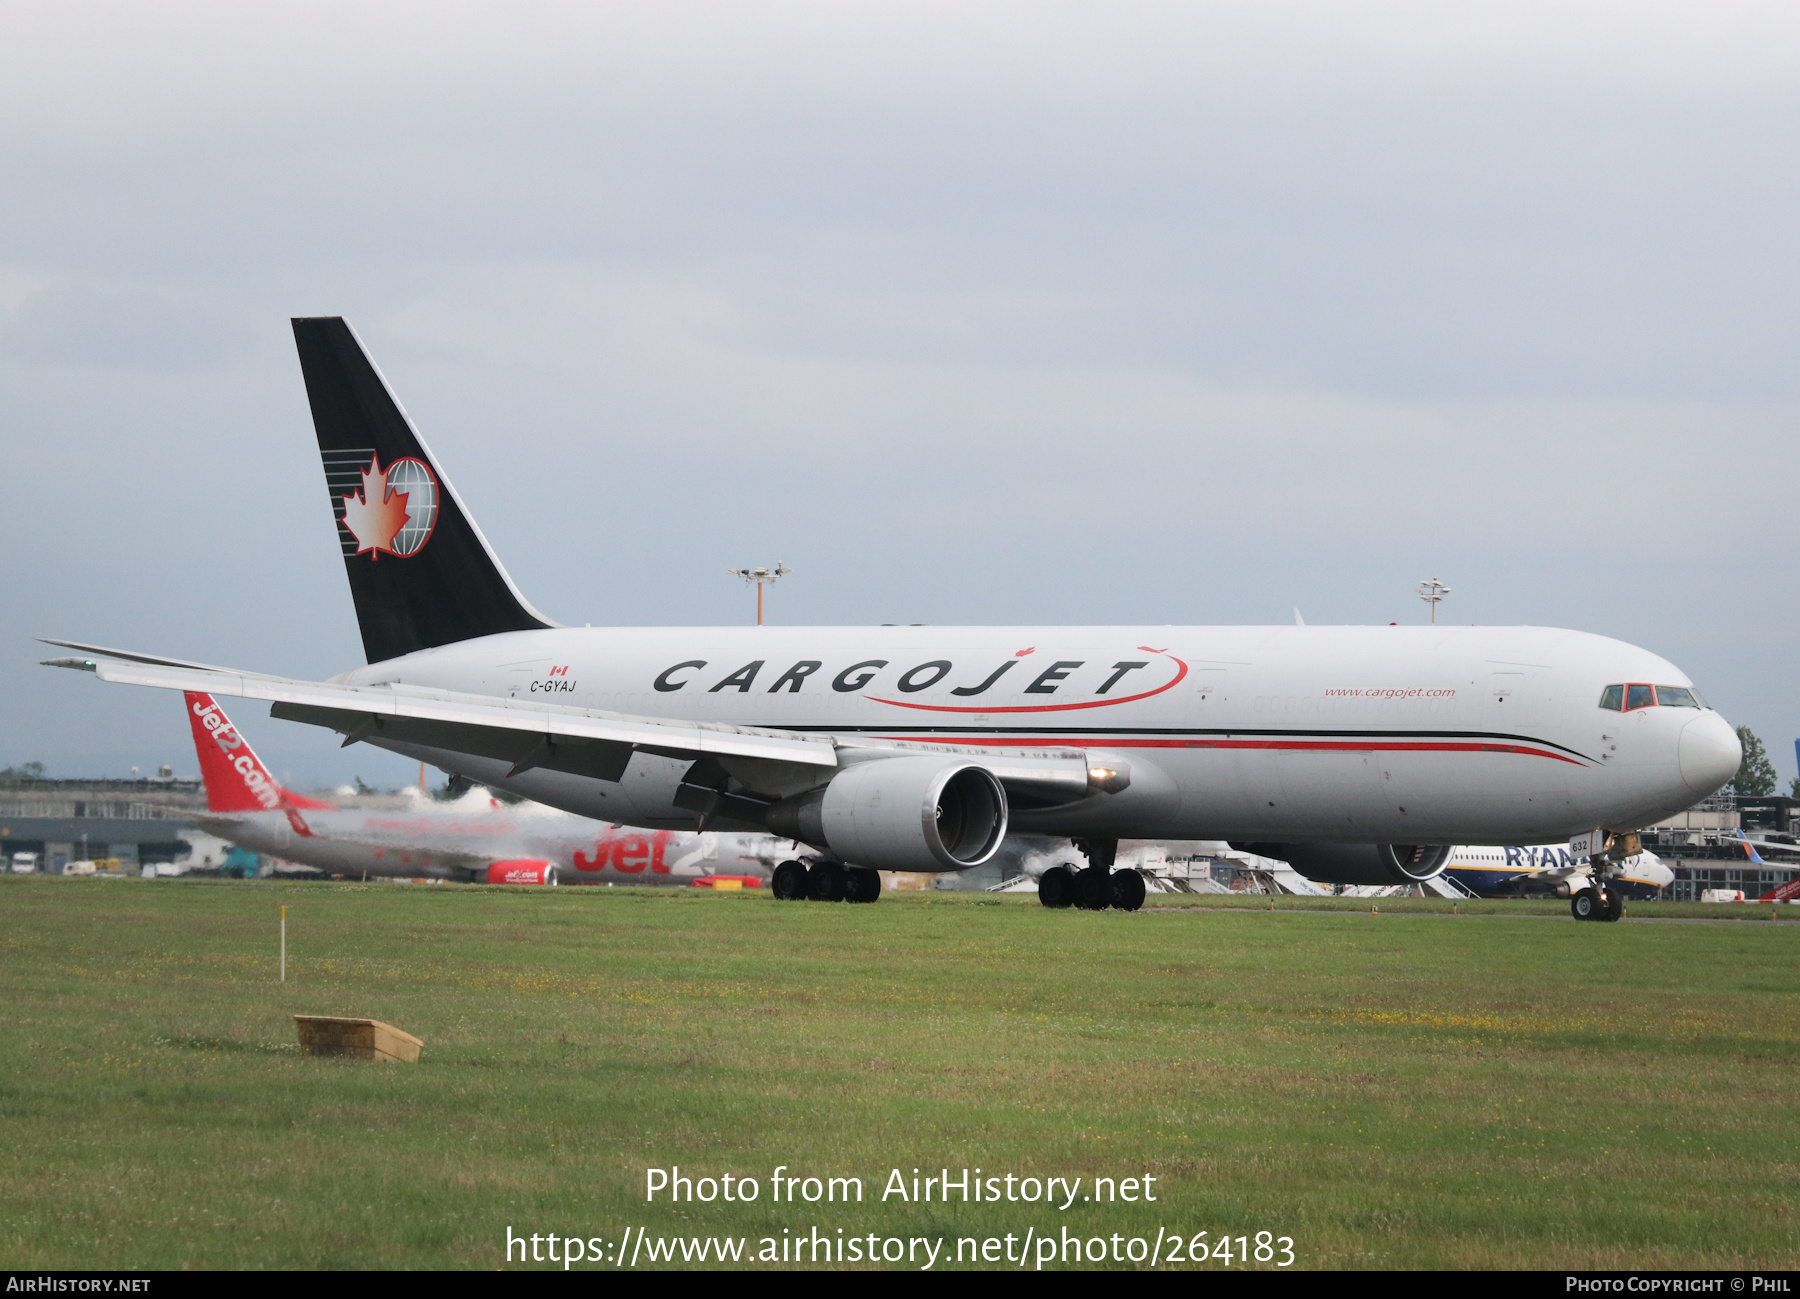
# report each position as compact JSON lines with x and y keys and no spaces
{"x":1710,"y":753}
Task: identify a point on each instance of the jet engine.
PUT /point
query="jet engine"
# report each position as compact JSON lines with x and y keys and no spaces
{"x":900,"y":814}
{"x":1357,"y":863}
{"x":521,"y":872}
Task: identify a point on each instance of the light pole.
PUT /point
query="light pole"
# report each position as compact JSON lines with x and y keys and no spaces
{"x":762,"y":577}
{"x":1431,"y":591}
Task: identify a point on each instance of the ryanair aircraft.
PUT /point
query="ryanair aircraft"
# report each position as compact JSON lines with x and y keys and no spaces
{"x":918,"y":748}
{"x":1551,"y":870}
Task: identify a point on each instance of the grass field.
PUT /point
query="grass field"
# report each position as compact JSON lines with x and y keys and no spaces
{"x":1499,"y":1089}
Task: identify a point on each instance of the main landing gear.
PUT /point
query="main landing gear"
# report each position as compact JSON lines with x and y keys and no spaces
{"x":1600,"y":903}
{"x":824,"y":881}
{"x":1096,"y":886}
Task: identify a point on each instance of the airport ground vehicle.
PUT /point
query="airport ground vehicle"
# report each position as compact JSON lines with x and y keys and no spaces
{"x":916,"y":748}
{"x":24,"y":863}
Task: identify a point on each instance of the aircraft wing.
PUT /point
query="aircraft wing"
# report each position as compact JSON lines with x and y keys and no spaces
{"x":528,"y":733}
{"x":524,"y":732}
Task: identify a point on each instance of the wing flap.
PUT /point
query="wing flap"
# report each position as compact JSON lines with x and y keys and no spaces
{"x":579,"y":756}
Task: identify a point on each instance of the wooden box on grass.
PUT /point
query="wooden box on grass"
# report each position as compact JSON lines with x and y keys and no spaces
{"x":364,"y":1039}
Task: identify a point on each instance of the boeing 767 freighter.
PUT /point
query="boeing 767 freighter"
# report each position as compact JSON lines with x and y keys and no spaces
{"x":917,"y":748}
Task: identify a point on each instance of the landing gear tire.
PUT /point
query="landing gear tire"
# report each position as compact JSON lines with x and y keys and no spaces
{"x":1127,"y":890}
{"x":862,"y":885}
{"x":1612,"y":906}
{"x":1056,"y":888}
{"x":789,"y":882}
{"x":1584,"y":904}
{"x":825,"y":882}
{"x":1093,"y":888}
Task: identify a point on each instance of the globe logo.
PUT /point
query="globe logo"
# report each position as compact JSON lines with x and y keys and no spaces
{"x":414,"y":479}
{"x":394,"y":512}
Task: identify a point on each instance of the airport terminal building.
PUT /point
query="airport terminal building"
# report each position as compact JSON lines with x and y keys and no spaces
{"x":1701,"y":846}
{"x":134,"y":822}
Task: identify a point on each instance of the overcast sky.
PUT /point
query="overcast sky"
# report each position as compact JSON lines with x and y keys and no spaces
{"x":1044,"y":313}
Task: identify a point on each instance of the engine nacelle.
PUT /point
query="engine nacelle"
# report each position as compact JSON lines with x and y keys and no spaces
{"x":1357,"y":863}
{"x":901,"y":814}
{"x":521,"y":872}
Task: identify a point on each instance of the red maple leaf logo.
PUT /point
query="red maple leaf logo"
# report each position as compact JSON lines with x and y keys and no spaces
{"x":376,"y":515}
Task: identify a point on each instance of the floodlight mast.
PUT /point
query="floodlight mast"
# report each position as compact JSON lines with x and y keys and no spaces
{"x":762,"y":577}
{"x":1431,"y":591}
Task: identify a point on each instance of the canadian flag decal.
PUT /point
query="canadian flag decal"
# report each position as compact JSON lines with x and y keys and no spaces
{"x":395,"y":510}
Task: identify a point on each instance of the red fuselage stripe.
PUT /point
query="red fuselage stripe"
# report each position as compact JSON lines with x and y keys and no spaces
{"x":1317,"y":746}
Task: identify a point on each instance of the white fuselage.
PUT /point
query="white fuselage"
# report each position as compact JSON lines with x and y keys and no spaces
{"x":1345,"y":734}
{"x":458,"y":841}
{"x":1549,"y":869}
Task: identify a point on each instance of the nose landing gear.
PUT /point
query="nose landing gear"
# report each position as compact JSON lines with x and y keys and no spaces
{"x":1596,"y":904}
{"x":1600,"y":900}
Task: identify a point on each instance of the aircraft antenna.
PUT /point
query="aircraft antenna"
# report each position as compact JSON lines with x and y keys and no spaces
{"x":761,"y":577}
{"x":1431,"y":591}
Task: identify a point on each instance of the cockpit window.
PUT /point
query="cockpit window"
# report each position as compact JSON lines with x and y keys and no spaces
{"x":1627,"y":698}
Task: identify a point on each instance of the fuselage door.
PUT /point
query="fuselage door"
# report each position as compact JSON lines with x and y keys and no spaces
{"x":1207,"y":695}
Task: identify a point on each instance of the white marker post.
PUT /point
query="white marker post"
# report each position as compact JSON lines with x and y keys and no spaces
{"x":284,"y":944}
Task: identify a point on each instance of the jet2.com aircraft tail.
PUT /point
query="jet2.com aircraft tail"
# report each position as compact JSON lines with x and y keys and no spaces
{"x":235,"y":778}
{"x":420,"y":571}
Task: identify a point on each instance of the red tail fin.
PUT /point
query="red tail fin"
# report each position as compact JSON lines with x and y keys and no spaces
{"x":236,"y":780}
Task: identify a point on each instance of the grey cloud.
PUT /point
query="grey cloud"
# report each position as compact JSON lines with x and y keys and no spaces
{"x":119,"y":327}
{"x":1037,"y":312}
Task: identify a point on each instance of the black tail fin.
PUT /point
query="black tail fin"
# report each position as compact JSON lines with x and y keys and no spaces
{"x":420,"y":570}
